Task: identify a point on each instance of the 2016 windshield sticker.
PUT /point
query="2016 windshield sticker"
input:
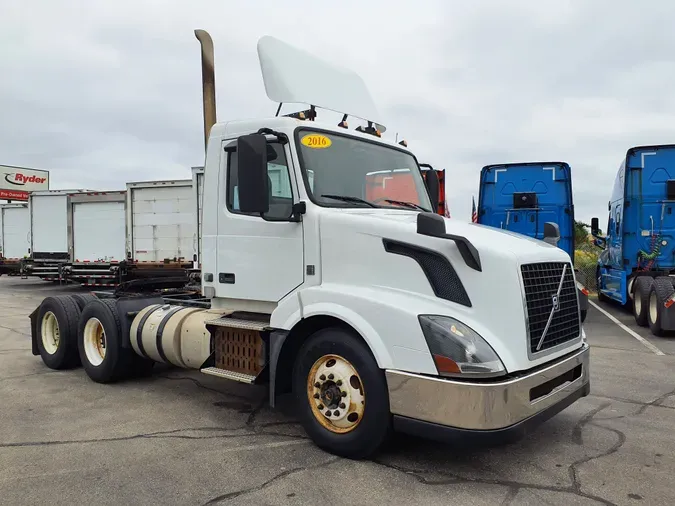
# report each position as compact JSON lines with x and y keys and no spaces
{"x":316,"y":141}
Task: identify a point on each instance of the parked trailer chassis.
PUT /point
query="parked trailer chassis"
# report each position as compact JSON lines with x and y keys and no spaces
{"x":104,"y":274}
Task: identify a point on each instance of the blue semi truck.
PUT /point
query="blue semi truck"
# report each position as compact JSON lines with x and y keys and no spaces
{"x":637,"y":262}
{"x":524,"y":198}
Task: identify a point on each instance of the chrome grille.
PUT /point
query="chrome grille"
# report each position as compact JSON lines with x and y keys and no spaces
{"x":542,"y":282}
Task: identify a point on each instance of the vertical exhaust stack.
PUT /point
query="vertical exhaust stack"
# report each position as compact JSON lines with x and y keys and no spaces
{"x":208,"y":82}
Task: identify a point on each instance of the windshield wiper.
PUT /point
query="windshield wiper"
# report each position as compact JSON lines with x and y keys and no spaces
{"x":349,"y":198}
{"x":404,"y":203}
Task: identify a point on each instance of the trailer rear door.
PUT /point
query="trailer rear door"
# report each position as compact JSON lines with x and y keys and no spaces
{"x":162,"y":222}
{"x":99,"y":232}
{"x":15,"y":238}
{"x":49,"y":223}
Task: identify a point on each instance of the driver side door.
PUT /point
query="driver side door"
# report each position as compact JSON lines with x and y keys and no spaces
{"x":258,"y":260}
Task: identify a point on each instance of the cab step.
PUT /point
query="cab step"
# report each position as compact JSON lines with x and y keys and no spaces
{"x":232,"y":375}
{"x":236,"y":323}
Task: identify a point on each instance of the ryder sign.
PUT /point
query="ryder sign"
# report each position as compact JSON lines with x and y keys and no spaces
{"x":20,"y":179}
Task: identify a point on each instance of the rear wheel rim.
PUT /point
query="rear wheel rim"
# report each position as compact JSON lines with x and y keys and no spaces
{"x":94,"y":341}
{"x":335,"y":394}
{"x":637,"y":302}
{"x":653,"y":307}
{"x":51,"y":334}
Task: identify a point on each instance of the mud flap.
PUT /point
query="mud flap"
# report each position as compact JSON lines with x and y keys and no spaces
{"x":33,"y":331}
{"x":668,"y":314}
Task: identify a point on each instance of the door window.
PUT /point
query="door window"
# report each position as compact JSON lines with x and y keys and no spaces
{"x":280,"y":193}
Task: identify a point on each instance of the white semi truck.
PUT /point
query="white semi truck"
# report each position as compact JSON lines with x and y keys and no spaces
{"x":376,"y":315}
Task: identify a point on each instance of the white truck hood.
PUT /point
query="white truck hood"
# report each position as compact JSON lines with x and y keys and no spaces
{"x":481,"y":236}
{"x":354,"y":254}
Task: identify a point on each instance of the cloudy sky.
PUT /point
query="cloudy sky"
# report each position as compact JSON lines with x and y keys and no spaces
{"x":105,"y":92}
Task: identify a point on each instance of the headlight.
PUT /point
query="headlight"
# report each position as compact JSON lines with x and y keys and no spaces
{"x":457,"y":350}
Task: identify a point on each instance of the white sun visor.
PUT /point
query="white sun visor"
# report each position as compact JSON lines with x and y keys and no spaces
{"x":292,"y":75}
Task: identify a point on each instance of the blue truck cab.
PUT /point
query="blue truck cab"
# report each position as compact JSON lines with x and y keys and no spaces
{"x":637,"y":261}
{"x":524,"y":197}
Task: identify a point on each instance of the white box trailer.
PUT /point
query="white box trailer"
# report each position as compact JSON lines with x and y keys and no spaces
{"x":161,"y":224}
{"x":96,"y":237}
{"x":14,"y":236}
{"x":48,"y":212}
{"x":198,"y":192}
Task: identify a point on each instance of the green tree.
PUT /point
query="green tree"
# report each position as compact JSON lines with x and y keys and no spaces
{"x":581,"y":231}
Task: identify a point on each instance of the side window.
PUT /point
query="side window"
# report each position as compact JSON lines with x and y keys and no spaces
{"x":280,"y":194}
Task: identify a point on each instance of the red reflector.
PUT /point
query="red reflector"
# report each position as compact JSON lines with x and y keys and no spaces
{"x":585,"y":291}
{"x":445,"y":364}
{"x":669,"y":303}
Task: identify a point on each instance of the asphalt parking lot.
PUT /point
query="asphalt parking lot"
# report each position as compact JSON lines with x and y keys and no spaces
{"x":185,"y":438}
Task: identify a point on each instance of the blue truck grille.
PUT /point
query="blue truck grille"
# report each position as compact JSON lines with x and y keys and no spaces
{"x":542,"y":282}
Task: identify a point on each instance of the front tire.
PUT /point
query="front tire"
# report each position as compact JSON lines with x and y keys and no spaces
{"x":341,"y":394}
{"x":641,"y":291}
{"x":57,"y":332}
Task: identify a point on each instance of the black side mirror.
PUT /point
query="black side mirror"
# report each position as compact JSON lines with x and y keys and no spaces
{"x":551,"y":233}
{"x":433,"y":186}
{"x":595,"y":227}
{"x":253,"y":183}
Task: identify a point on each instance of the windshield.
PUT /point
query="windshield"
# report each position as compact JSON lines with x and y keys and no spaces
{"x":342,"y":171}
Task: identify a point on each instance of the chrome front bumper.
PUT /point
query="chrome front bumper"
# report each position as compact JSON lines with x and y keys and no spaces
{"x":490,"y":406}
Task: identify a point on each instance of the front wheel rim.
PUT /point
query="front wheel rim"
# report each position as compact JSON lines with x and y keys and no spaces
{"x":94,"y":341}
{"x":51,"y":334}
{"x":335,"y":394}
{"x":637,"y":302}
{"x":653,"y":307}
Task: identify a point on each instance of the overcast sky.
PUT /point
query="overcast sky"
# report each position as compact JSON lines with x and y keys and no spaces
{"x":105,"y":92}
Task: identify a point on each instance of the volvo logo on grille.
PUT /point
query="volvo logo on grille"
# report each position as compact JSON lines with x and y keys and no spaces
{"x":555,"y":302}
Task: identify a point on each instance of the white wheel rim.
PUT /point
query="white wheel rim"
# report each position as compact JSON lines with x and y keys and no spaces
{"x":630,"y":288}
{"x":653,"y":308}
{"x":335,"y":393}
{"x":94,"y":341}
{"x":637,"y":302}
{"x":51,"y":334}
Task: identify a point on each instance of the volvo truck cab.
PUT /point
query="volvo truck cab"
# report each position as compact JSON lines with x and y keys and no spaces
{"x":374,"y":315}
{"x":524,"y":198}
{"x":637,"y":262}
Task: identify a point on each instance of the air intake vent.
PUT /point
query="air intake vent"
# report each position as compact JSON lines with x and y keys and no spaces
{"x":439,"y":271}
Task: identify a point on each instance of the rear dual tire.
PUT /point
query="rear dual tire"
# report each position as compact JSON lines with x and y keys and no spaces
{"x":99,"y":341}
{"x":661,"y":289}
{"x":641,"y":292}
{"x":56,"y":332}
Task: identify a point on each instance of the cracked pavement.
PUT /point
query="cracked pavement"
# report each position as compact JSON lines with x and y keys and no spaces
{"x":181,"y":437}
